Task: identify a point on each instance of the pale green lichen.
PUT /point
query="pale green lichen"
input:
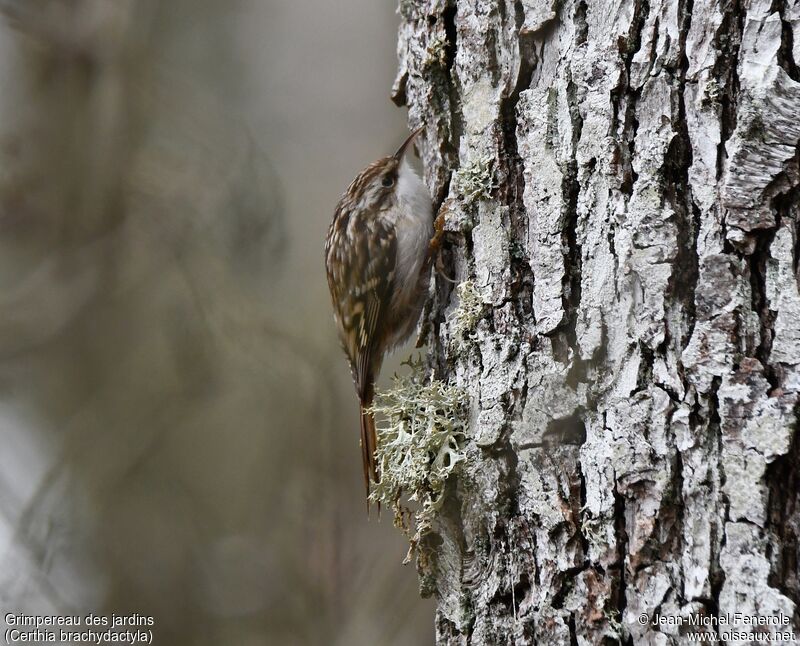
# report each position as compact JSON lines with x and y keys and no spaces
{"x":436,"y":52}
{"x":421,"y":437}
{"x":712,"y":92}
{"x":614,"y":623}
{"x":591,"y":526}
{"x":466,"y":315}
{"x":475,"y":180}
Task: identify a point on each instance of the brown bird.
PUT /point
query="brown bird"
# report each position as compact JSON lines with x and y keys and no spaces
{"x":377,"y":256}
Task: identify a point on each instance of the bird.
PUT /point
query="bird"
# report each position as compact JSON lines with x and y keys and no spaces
{"x":378,"y":258}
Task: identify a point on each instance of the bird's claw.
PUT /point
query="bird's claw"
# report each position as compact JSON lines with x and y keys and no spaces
{"x":436,"y":240}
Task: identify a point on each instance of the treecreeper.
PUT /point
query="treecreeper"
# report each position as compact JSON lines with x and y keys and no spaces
{"x":378,"y":259}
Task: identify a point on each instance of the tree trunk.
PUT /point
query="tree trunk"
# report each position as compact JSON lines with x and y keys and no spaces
{"x":620,"y":189}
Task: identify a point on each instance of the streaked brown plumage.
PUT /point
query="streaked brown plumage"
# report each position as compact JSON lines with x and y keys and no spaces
{"x":378,"y":264}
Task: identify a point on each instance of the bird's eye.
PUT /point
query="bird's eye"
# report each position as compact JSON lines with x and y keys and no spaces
{"x":387,"y":181}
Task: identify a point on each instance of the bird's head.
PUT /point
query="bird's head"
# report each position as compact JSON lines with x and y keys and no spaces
{"x":379,"y":185}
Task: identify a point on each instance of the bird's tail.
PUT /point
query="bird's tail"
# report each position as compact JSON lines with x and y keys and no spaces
{"x":369,"y":442}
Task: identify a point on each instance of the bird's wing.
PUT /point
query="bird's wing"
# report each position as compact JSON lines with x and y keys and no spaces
{"x":361,"y":280}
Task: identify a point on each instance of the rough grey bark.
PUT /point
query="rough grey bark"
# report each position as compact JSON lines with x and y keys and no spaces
{"x":620,"y":184}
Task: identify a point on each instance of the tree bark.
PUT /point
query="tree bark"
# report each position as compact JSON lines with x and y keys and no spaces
{"x":620,"y":186}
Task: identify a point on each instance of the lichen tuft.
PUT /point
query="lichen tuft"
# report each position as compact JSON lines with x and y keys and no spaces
{"x":475,"y":180}
{"x":421,"y":437}
{"x":436,"y":52}
{"x":466,"y":315}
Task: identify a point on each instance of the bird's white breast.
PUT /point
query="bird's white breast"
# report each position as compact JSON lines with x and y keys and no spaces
{"x":414,"y":225}
{"x":413,"y":222}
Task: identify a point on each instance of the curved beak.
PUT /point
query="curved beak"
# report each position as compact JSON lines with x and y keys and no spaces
{"x":401,"y":151}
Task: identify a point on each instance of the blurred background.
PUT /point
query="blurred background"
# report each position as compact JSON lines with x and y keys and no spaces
{"x":178,"y":429}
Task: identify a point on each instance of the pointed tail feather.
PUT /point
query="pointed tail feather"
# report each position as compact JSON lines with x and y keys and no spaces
{"x":369,"y":442}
